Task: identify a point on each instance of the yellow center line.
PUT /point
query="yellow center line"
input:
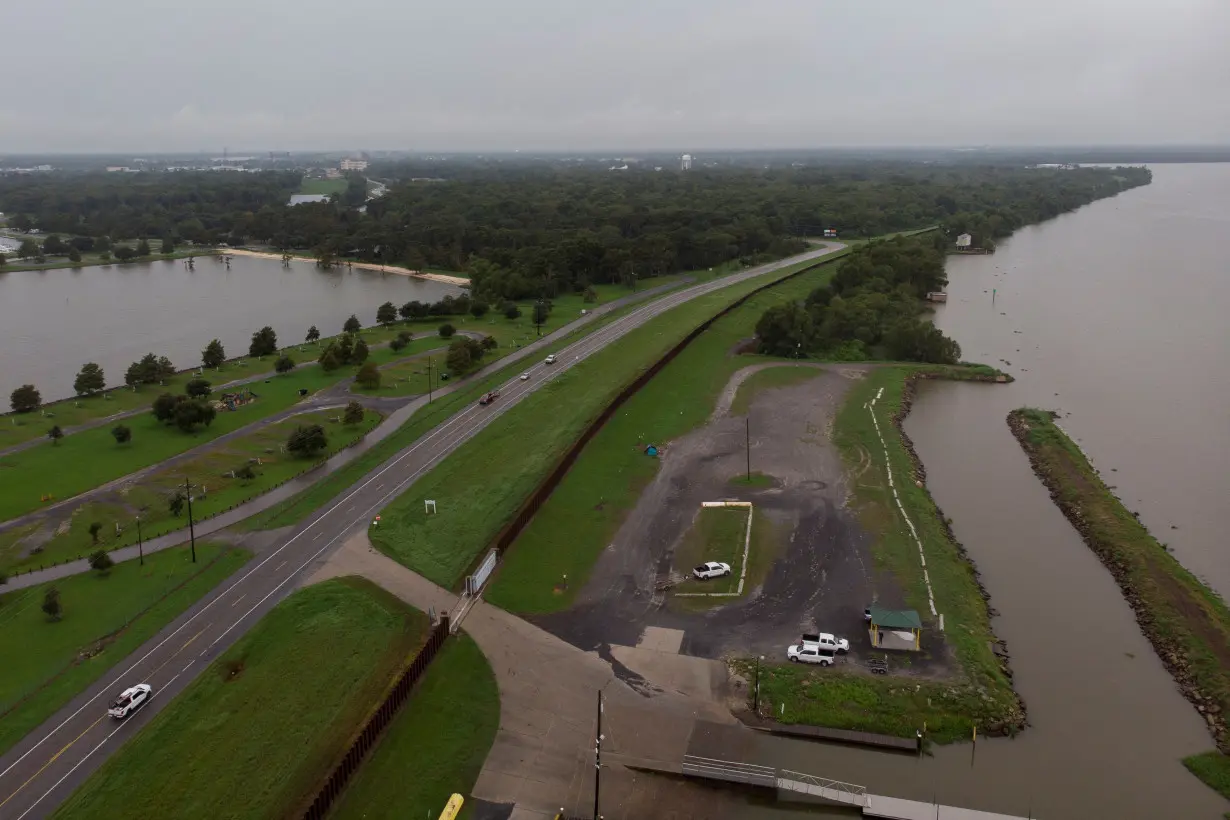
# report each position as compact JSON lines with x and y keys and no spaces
{"x":53,"y":759}
{"x":189,"y":641}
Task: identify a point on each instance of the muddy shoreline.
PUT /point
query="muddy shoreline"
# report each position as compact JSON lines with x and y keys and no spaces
{"x":1169,"y":650}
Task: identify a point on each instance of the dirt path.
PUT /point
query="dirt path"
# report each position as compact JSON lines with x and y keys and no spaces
{"x":727,"y":398}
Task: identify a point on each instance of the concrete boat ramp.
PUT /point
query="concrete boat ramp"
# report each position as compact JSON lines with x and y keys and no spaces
{"x":784,"y":780}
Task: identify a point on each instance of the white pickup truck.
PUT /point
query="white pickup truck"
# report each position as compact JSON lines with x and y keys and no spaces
{"x":810,"y":653}
{"x":826,"y":640}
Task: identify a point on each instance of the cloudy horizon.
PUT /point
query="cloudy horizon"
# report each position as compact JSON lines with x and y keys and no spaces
{"x":548,"y":75}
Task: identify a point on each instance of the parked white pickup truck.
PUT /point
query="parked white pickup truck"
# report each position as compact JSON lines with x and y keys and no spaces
{"x":826,"y":640}
{"x":810,"y":653}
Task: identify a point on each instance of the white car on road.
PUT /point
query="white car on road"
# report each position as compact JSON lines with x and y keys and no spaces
{"x":525,"y":377}
{"x":711,"y":569}
{"x":810,"y":653}
{"x":550,"y":359}
{"x":827,"y":641}
{"x":130,"y":700}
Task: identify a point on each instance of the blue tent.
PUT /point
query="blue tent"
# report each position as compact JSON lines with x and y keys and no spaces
{"x":651,"y":450}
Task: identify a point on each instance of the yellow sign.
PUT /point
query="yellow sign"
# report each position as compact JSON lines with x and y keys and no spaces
{"x":452,"y":807}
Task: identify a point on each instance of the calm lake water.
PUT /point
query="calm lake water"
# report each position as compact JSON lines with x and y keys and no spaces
{"x":53,"y":321}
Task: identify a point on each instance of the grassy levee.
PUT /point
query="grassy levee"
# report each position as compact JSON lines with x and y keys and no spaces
{"x":1212,"y":767}
{"x":46,"y":664}
{"x":296,"y":509}
{"x":441,"y":736}
{"x":216,"y":490}
{"x":420,"y":423}
{"x":586,"y":509}
{"x":1187,"y":623}
{"x":256,"y":733}
{"x":481,"y":486}
{"x":980,"y":694}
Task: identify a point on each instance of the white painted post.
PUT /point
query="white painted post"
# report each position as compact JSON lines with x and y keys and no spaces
{"x":941,"y":622}
{"x":429,"y":506}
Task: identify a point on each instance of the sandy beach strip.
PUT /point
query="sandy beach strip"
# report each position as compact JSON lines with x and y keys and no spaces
{"x":400,"y":271}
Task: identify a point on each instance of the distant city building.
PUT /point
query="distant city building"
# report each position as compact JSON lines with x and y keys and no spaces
{"x":686,"y":163}
{"x":120,"y":169}
{"x":354,"y":165}
{"x":303,"y":199}
{"x":964,"y":240}
{"x":333,"y":173}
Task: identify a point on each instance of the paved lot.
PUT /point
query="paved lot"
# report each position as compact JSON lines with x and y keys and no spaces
{"x":42,"y":770}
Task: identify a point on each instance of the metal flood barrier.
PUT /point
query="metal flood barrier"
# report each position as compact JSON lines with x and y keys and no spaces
{"x":528,"y":510}
{"x":377,"y":723}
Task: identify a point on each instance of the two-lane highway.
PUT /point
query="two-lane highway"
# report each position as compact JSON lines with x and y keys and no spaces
{"x":41,"y":771}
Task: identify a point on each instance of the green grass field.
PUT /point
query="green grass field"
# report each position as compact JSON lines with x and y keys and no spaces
{"x":716,"y":534}
{"x":1213,"y":768}
{"x":454,"y":713}
{"x":583,"y":514}
{"x":240,"y":742}
{"x":480,"y":486}
{"x":216,"y":491}
{"x":323,"y":186}
{"x":104,"y":617}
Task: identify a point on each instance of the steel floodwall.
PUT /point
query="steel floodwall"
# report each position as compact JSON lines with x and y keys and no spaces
{"x":377,"y":723}
{"x":528,"y":510}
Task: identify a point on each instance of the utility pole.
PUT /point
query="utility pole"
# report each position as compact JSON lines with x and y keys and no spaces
{"x":140,"y":545}
{"x":747,"y":435}
{"x":191,"y":531}
{"x":429,"y":380}
{"x":598,"y":758}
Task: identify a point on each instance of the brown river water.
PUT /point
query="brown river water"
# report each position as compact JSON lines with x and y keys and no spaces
{"x":1120,"y":309}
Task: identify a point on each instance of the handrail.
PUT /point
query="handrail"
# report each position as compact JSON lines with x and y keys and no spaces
{"x":824,"y":783}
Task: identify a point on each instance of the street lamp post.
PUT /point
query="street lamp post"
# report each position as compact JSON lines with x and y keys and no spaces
{"x":191,"y":531}
{"x":140,"y":545}
{"x":429,"y":380}
{"x":756,"y":691}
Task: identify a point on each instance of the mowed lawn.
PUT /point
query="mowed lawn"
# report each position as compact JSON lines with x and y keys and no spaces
{"x":262,"y":727}
{"x":436,"y":745}
{"x":216,"y":490}
{"x":480,"y":486}
{"x":581,"y":517}
{"x":717,"y":534}
{"x":91,"y":458}
{"x":104,"y":618}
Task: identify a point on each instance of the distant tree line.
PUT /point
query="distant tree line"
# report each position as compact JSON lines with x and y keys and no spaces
{"x":540,"y":231}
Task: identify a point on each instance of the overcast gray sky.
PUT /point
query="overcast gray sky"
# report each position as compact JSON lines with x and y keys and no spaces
{"x":127,"y":75}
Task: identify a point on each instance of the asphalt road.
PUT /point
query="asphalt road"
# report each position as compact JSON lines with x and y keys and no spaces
{"x":39,"y":773}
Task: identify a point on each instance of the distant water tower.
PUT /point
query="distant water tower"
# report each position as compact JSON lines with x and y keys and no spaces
{"x":686,"y":163}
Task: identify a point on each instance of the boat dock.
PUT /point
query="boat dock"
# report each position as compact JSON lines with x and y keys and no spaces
{"x":835,"y":791}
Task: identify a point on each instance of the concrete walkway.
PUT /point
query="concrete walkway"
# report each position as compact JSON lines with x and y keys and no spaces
{"x":542,"y":758}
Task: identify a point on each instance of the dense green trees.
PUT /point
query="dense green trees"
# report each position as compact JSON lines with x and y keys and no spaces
{"x":537,"y":231}
{"x":213,"y":355}
{"x":90,"y":380}
{"x":25,"y":399}
{"x":307,"y":440}
{"x":264,"y":342}
{"x":149,"y":370}
{"x":869,"y":310}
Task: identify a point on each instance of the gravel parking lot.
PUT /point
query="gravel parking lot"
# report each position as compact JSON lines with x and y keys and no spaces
{"x":822,"y":574}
